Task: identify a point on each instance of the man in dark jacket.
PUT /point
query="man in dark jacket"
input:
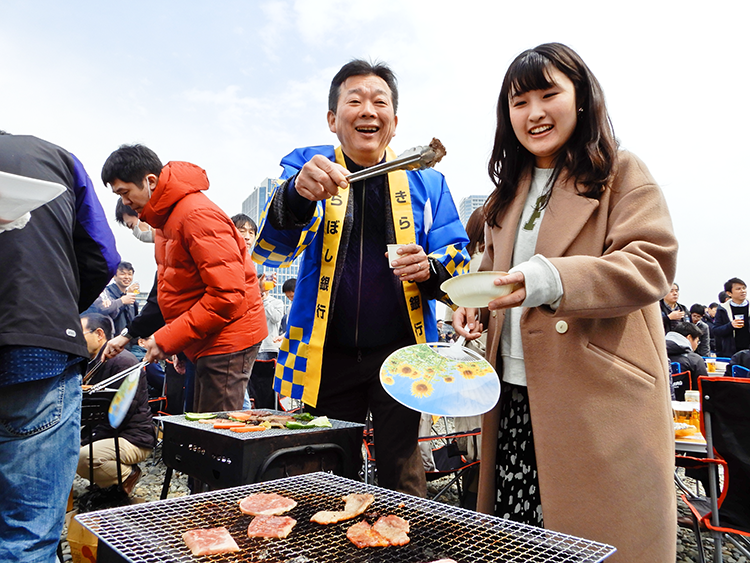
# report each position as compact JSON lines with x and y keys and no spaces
{"x":730,"y":324}
{"x":697,"y":311}
{"x":117,"y":301}
{"x":681,"y":344}
{"x":135,"y":433}
{"x":53,"y":268}
{"x":672,"y":312}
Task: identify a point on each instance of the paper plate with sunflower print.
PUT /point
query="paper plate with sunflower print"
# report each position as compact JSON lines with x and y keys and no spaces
{"x":426,"y":380}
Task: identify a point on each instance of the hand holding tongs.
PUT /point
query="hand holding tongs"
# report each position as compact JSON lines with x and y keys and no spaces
{"x":102,"y":384}
{"x":417,"y":158}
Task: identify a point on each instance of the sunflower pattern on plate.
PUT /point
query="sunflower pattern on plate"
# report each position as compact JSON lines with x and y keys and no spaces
{"x":421,"y":378}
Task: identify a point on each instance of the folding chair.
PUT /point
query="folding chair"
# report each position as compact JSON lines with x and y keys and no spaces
{"x":681,"y":382}
{"x":739,"y":371}
{"x":452,"y":461}
{"x":674,"y":367}
{"x":725,"y":422}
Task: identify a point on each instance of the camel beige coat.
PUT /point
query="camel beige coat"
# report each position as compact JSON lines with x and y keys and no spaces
{"x":597,"y":367}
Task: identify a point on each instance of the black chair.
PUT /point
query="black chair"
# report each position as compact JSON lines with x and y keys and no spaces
{"x":452,"y":461}
{"x":681,"y":382}
{"x":95,"y":411}
{"x":725,"y":421}
{"x":449,"y":458}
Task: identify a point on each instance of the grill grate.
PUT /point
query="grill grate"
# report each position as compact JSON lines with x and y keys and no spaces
{"x":151,"y":532}
{"x":193,"y":425}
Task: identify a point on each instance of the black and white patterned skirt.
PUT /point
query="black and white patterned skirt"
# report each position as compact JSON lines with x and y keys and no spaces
{"x":515,"y":468}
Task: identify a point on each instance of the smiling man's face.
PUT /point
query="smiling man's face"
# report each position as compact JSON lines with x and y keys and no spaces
{"x":365,"y":120}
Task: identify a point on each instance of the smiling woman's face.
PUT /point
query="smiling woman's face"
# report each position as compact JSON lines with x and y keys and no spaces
{"x":544,"y":120}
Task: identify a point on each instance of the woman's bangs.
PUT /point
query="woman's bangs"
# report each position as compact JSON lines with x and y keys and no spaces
{"x":530,"y":72}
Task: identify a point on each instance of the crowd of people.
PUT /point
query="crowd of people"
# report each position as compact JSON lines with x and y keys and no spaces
{"x":717,"y":330}
{"x":580,"y":226}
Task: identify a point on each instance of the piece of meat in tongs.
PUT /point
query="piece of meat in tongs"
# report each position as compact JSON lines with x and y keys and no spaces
{"x":417,"y":158}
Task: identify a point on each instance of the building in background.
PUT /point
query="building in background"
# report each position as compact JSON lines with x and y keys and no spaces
{"x":252,"y":207}
{"x":468,"y":205}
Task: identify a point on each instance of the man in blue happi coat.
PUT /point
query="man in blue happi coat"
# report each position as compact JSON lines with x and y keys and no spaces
{"x":352,"y":308}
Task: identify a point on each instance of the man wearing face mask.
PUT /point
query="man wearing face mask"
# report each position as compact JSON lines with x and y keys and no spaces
{"x":127,"y":217}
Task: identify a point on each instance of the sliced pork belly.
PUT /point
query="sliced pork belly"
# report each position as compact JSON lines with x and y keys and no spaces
{"x":355,"y":505}
{"x":210,"y":541}
{"x":270,"y":527}
{"x":362,"y":535}
{"x":392,"y":528}
{"x":266,"y":504}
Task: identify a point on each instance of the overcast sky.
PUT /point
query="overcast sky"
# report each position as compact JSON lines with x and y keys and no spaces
{"x":235,"y":85}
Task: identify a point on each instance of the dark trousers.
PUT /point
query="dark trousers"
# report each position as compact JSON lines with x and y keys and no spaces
{"x":260,"y":386}
{"x":349,"y":386}
{"x":221,"y":380}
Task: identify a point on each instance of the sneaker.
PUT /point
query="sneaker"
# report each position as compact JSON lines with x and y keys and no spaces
{"x":129,"y":484}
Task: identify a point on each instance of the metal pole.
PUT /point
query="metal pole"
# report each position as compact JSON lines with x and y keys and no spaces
{"x":713,"y":488}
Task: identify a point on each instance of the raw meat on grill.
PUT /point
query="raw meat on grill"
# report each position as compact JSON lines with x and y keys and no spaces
{"x":392,"y":528}
{"x":210,"y":541}
{"x":270,"y":527}
{"x":361,"y":534}
{"x":266,"y":504}
{"x":355,"y":505}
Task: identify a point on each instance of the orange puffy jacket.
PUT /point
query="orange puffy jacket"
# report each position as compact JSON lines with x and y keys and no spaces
{"x":208,"y":288}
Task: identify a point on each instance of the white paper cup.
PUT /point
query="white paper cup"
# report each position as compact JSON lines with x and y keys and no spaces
{"x":393,"y":253}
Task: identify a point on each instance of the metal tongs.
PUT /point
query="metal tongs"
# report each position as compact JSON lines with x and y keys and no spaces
{"x":118,"y":376}
{"x":417,"y":158}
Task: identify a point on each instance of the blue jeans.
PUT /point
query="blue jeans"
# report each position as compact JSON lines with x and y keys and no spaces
{"x":40,"y":435}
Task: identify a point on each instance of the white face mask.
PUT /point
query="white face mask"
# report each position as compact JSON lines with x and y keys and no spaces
{"x":143,"y":236}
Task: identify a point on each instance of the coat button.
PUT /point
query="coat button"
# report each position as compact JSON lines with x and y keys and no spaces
{"x":561,"y":327}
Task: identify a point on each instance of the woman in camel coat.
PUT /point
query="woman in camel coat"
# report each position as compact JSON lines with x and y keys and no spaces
{"x":581,"y":441}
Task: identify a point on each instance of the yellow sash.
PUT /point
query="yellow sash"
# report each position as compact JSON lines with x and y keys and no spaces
{"x":403,"y":223}
{"x":335,"y":210}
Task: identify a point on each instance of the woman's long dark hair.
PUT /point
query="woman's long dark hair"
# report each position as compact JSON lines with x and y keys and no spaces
{"x":589,"y":155}
{"x":475,"y":230}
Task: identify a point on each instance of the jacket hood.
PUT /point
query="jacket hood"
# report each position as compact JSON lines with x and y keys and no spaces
{"x":177,"y":179}
{"x":677,"y":344}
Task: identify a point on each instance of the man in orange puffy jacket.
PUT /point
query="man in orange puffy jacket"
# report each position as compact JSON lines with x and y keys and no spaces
{"x":207,"y":286}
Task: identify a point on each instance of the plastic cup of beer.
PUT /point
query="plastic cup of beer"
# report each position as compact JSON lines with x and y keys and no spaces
{"x":695,"y":416}
{"x":268,"y":285}
{"x":692,"y":396}
{"x":393,"y":253}
{"x":711,"y":365}
{"x":740,"y":318}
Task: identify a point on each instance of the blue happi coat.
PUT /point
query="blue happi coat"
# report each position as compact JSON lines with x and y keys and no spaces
{"x":426,"y":213}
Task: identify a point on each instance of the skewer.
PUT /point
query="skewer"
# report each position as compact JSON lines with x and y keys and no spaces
{"x":91,"y":372}
{"x":102,"y":384}
{"x":417,"y":158}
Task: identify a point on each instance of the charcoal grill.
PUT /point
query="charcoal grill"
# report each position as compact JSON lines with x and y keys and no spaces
{"x":222,"y":458}
{"x":151,"y":532}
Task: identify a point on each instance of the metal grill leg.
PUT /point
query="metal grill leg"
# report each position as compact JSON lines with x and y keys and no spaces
{"x":167,"y":481}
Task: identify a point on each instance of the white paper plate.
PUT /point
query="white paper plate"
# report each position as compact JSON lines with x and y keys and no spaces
{"x":422,"y":379}
{"x":475,"y":290}
{"x":19,"y":195}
